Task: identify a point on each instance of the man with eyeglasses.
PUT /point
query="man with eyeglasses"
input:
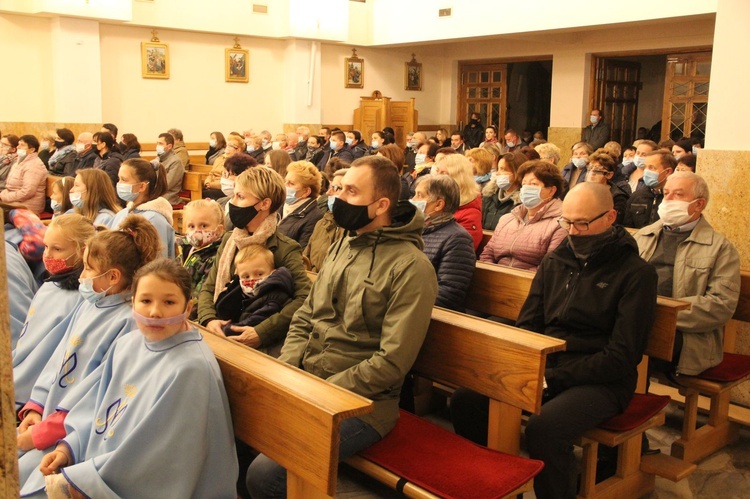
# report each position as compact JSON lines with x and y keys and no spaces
{"x":598,"y":295}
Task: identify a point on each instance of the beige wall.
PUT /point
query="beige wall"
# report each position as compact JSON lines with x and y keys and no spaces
{"x":195,"y":98}
{"x":26,"y":88}
{"x":384,"y":71}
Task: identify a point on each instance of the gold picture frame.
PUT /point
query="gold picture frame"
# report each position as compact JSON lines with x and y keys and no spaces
{"x":413,"y":74}
{"x":354,"y":71}
{"x":155,"y":59}
{"x":236,"y":63}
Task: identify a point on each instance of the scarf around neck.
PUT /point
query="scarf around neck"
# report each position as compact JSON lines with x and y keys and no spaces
{"x":239,"y":239}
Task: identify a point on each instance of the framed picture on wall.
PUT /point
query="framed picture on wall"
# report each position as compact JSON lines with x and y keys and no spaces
{"x":413,"y":74}
{"x":236,"y":64}
{"x":154,"y":60}
{"x":354,"y":71}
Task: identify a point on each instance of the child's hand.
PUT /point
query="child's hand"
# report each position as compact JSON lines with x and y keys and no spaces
{"x":215,"y":327}
{"x":247,"y":336}
{"x":31,"y":418}
{"x":52,"y":462}
{"x":25,"y":441}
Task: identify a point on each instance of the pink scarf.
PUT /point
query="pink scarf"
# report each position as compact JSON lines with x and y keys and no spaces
{"x":240,"y":238}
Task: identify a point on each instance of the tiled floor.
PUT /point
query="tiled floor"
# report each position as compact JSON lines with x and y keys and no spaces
{"x":725,"y":475}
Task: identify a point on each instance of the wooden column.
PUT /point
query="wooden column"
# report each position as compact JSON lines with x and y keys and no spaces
{"x":8,"y":459}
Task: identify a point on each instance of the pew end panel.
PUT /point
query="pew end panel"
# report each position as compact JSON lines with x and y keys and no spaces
{"x":291,"y":416}
{"x":499,"y":291}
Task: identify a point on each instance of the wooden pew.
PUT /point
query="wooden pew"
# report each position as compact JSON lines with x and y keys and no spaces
{"x":701,"y":393}
{"x":201,"y":168}
{"x":193,"y":183}
{"x":501,"y":291}
{"x":502,"y":362}
{"x":291,"y":416}
{"x":486,"y":236}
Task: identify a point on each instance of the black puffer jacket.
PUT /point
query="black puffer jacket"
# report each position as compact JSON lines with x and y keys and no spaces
{"x":450,"y":249}
{"x":603,"y":308}
{"x":642,"y":208}
{"x":269,"y":298}
{"x":300,"y":224}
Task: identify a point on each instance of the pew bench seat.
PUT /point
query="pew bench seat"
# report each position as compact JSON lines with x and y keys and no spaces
{"x":418,"y":452}
{"x":634,"y":477}
{"x":716,"y":383}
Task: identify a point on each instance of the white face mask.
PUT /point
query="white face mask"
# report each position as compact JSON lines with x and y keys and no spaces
{"x":580,"y":162}
{"x":44,"y":145}
{"x":627,"y":161}
{"x":227,"y":187}
{"x":80,"y":147}
{"x":159,"y":149}
{"x":276,"y":146}
{"x":593,"y":119}
{"x":21,"y":153}
{"x":212,"y":143}
{"x":419,"y":159}
{"x":675,"y":213}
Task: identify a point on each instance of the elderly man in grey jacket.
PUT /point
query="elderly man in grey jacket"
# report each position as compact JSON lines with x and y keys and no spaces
{"x":695,"y":264}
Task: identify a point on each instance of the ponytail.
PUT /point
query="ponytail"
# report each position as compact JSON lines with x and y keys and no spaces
{"x":155,"y":176}
{"x":132,"y":245}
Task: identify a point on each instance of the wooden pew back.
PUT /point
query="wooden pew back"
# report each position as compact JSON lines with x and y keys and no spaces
{"x":291,"y":416}
{"x":501,"y":291}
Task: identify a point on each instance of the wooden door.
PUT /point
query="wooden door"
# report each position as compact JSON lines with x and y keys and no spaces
{"x":616,"y":94}
{"x":483,"y":89}
{"x":686,"y":96}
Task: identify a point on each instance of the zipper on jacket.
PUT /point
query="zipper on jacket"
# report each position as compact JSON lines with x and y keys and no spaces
{"x":571,"y":286}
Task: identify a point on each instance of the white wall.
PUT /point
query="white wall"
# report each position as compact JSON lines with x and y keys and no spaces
{"x":25,"y":87}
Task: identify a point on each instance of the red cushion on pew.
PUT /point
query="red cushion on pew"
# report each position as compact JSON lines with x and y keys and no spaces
{"x":45,"y":215}
{"x":178,"y":206}
{"x":449,"y":465}
{"x":640,"y":410}
{"x":734,"y":367}
{"x":184,"y":194}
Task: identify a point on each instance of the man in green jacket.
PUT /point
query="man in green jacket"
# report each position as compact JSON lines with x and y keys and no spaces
{"x":367,"y":314}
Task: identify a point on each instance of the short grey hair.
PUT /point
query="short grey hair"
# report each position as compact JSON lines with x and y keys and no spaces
{"x":700,"y":187}
{"x":548,"y":151}
{"x":442,"y":187}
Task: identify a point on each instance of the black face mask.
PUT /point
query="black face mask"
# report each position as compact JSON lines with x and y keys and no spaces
{"x":59,"y":144}
{"x":241,"y":216}
{"x":585,"y":246}
{"x":123,"y":146}
{"x":350,"y":216}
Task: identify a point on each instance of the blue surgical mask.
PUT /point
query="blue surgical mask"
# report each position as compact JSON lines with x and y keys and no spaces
{"x":421,"y":204}
{"x":639,"y":161}
{"x":349,"y":141}
{"x":291,"y":195}
{"x":125,"y":192}
{"x":650,"y":178}
{"x":627,"y":161}
{"x":86,"y":288}
{"x":531,"y":196}
{"x":55,"y":205}
{"x":335,"y":146}
{"x":579,"y":162}
{"x":331,"y":199}
{"x":481,"y":179}
{"x":502,"y":181}
{"x":76,"y":199}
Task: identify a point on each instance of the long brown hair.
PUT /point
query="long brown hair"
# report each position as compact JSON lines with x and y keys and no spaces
{"x":99,"y":191}
{"x":65,"y":184}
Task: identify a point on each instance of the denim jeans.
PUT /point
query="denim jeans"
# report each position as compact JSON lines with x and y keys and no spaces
{"x":267,"y":479}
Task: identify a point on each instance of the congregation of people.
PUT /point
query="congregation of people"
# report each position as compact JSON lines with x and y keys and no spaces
{"x":110,"y":371}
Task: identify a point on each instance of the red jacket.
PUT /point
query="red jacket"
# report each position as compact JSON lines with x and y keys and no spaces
{"x":470,"y":218}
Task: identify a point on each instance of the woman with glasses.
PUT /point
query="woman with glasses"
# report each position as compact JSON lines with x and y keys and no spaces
{"x":601,"y":170}
{"x":530,"y":231}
